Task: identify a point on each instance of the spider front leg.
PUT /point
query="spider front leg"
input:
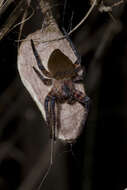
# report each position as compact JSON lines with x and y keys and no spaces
{"x":39,"y":62}
{"x":46,"y":81}
{"x":78,"y":62}
{"x":82,"y":99}
{"x":49,"y":106}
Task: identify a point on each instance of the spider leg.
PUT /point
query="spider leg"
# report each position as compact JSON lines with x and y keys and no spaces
{"x":46,"y":81}
{"x":78,"y":62}
{"x":82,"y":99}
{"x":50,"y":114}
{"x":47,"y":111}
{"x":53,"y":123}
{"x":49,"y":106}
{"x":78,"y":79}
{"x":67,"y":94}
{"x":39,"y":62}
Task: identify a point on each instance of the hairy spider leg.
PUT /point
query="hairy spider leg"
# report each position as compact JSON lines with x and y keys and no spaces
{"x":78,"y":79}
{"x":53,"y":123}
{"x":50,"y":115}
{"x":66,"y":90}
{"x":49,"y":105}
{"x":39,"y":62}
{"x":47,"y":111}
{"x":82,"y":99}
{"x":46,"y":81}
{"x":78,"y":62}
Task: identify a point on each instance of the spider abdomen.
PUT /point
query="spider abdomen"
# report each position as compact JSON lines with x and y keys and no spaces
{"x":60,"y":65}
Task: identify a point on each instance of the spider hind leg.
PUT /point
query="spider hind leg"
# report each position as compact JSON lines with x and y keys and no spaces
{"x":49,"y":106}
{"x":50,"y":118}
{"x":82,"y":99}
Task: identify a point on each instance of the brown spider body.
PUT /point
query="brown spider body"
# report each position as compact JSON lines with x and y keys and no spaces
{"x":62,"y":75}
{"x":62,"y":70}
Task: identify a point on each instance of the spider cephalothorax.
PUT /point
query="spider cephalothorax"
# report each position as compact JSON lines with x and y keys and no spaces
{"x":62,"y":75}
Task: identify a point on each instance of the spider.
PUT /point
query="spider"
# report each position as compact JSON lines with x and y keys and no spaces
{"x":62,"y":74}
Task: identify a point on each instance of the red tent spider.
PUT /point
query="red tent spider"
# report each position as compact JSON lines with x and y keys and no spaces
{"x":62,"y":75}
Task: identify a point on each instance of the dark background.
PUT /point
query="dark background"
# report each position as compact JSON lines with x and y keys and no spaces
{"x":98,"y":160}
